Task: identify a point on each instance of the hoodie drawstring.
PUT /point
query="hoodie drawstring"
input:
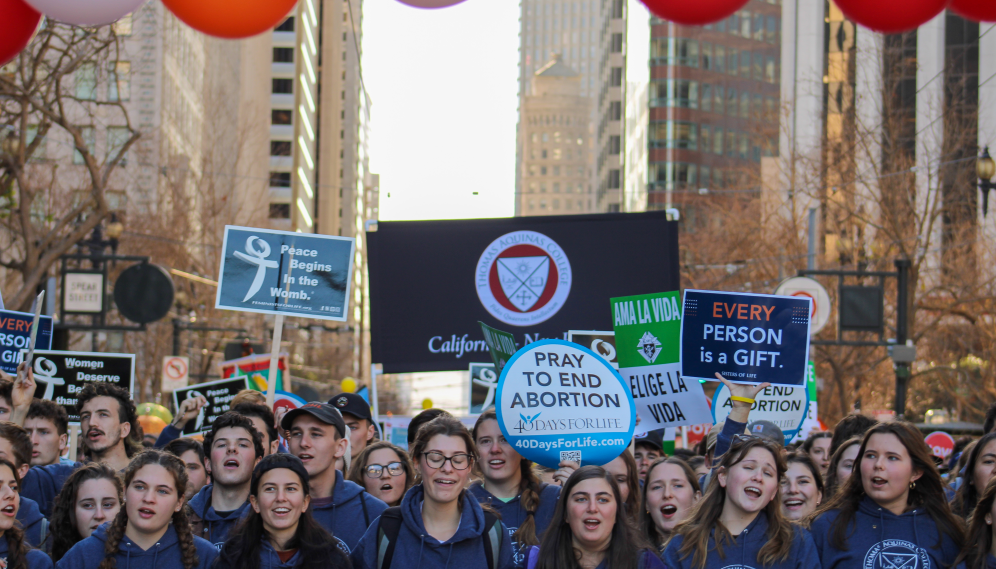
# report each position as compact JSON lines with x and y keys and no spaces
{"x":881,"y":525}
{"x":421,"y":548}
{"x":448,"y":556}
{"x":916,"y":532}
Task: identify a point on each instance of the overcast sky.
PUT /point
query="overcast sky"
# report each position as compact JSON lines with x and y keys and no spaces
{"x":444,"y":89}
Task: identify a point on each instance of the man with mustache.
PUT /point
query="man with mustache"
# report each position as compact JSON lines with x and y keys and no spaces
{"x":109,"y":423}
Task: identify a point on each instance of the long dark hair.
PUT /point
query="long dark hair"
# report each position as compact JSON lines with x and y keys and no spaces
{"x":704,"y":519}
{"x":831,"y":483}
{"x":529,"y":489}
{"x":808,"y":444}
{"x":633,"y":483}
{"x":980,"y":534}
{"x":17,"y":549}
{"x":647,"y":525}
{"x":968,"y":495}
{"x":62,"y":529}
{"x":557,"y":546}
{"x":173,"y":465}
{"x":927,"y":493}
{"x":242,"y":548}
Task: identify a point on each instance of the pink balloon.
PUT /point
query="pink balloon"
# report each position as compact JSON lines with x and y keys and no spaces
{"x":430,"y":3}
{"x":86,"y":12}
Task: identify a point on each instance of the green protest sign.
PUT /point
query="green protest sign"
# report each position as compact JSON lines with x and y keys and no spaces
{"x":500,"y":344}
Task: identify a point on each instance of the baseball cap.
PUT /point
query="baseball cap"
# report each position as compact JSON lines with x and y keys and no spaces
{"x":651,"y":438}
{"x":353,"y":404}
{"x":768,"y":430}
{"x":321,"y":411}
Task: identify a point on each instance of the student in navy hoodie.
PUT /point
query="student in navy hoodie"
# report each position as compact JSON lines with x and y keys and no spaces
{"x":233,"y":447}
{"x":891,"y":510}
{"x":91,"y":496}
{"x":980,"y":548}
{"x":318,"y":436}
{"x":14,"y":550}
{"x":739,"y":521}
{"x":511,"y":488}
{"x":978,"y":470}
{"x":279,"y":531}
{"x":152,"y":530}
{"x":439,"y":524}
{"x":591,"y":528}
{"x":15,"y":446}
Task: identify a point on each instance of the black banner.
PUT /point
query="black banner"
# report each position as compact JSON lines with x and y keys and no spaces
{"x":61,"y":376}
{"x":536,"y":277}
{"x":219,"y":395}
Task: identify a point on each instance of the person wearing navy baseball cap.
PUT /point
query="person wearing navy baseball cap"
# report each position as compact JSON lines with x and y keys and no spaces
{"x":356,"y":412}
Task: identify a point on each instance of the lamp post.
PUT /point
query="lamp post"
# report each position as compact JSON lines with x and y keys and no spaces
{"x":985,"y":167}
{"x":97,"y":244}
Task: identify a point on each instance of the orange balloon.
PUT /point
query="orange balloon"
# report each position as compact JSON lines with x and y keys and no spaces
{"x":231,"y":19}
{"x":151,"y":425}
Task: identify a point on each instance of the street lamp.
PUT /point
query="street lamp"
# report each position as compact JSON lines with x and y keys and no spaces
{"x":97,"y":244}
{"x":985,"y":167}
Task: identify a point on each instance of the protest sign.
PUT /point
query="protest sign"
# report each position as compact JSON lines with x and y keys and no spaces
{"x":481,"y":392}
{"x":559,"y":401}
{"x":647,"y":329}
{"x":748,"y":338}
{"x":15,"y":334}
{"x":602,"y":343}
{"x":288,"y":401}
{"x":255,"y":367}
{"x":500,"y":344}
{"x":219,"y":395}
{"x":61,"y":376}
{"x":812,"y":421}
{"x":176,"y":373}
{"x":783,"y":405}
{"x":941,"y":444}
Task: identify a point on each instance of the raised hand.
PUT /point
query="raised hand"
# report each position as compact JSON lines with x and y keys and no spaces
{"x":188,"y":411}
{"x":22,"y":394}
{"x":741,"y":409}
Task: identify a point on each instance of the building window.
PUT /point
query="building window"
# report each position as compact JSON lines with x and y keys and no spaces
{"x":556,"y":187}
{"x":123,"y":26}
{"x":770,"y":73}
{"x":281,"y":116}
{"x":283,"y":55}
{"x":556,"y":170}
{"x":616,"y":78}
{"x":757,"y":27}
{"x":286,"y":26}
{"x":674,"y":134}
{"x":543,"y":154}
{"x":119,"y":81}
{"x":86,"y":82}
{"x":732,"y":60}
{"x":745,"y":64}
{"x":706,"y":104}
{"x":617,"y":43}
{"x":283,"y":85}
{"x":89,"y":136}
{"x":717,"y":99}
{"x":280,"y":179}
{"x":745,"y":105}
{"x":706,"y":135}
{"x":771,"y":31}
{"x":280,"y":211}
{"x":615,"y":145}
{"x":732,"y":108}
{"x":280,"y":148}
{"x":717,"y":141}
{"x":542,"y":170}
{"x":117,"y":136}
{"x":615,"y":180}
{"x":615,"y":112}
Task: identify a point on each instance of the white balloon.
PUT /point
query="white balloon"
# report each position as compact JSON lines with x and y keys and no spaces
{"x":86,"y":12}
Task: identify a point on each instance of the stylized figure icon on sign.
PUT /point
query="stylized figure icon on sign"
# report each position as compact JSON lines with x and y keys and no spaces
{"x":257,"y":258}
{"x":488,"y":380}
{"x":45,"y":371}
{"x":199,"y":422}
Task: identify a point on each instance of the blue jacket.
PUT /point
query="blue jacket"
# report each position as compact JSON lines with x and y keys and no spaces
{"x":513,"y":514}
{"x":349,"y":513}
{"x":207,"y":524}
{"x":32,"y":521}
{"x":742,"y":552}
{"x":88,"y":553}
{"x":43,"y":483}
{"x":879,"y":539}
{"x":415,"y":549}
{"x":36,"y":559}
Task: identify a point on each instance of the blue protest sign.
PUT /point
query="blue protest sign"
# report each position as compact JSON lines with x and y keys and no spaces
{"x":280,"y":272}
{"x":560,"y":401}
{"x":15,"y":334}
{"x":748,"y":338}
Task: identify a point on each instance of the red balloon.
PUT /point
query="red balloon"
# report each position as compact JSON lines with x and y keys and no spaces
{"x":232,"y":19}
{"x":891,"y":16}
{"x":430,"y":3}
{"x":978,"y":10}
{"x":20,"y":22}
{"x":693,"y":12}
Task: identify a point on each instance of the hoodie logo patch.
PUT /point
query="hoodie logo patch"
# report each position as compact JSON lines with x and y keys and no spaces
{"x":341,"y":545}
{"x":896,"y":554}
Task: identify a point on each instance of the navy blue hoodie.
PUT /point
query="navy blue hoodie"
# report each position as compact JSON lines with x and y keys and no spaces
{"x":344,"y":516}
{"x":36,"y":559}
{"x":166,"y":554}
{"x":207,"y":524}
{"x":742,"y":552}
{"x":32,"y":521}
{"x":513,"y":514}
{"x":415,"y":549}
{"x":43,"y":483}
{"x":879,"y":539}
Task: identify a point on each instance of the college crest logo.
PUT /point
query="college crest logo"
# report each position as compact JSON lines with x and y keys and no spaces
{"x":896,"y":554}
{"x":523,"y":278}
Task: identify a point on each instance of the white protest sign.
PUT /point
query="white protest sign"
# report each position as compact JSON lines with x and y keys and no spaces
{"x":784,"y":406}
{"x":559,"y":401}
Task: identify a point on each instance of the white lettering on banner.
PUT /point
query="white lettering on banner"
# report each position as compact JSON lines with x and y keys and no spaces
{"x":90,"y":364}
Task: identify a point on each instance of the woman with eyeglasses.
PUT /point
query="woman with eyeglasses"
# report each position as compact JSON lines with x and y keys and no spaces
{"x":384,"y":470}
{"x":739,"y":521}
{"x":511,"y":487}
{"x":438,"y":524}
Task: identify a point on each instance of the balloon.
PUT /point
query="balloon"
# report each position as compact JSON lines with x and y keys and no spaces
{"x":154,"y":410}
{"x":695,"y":13}
{"x":88,"y":13}
{"x":427,"y":403}
{"x":20,"y":23}
{"x":430,"y":3}
{"x":978,"y":10}
{"x":231,"y":19}
{"x":151,"y":425}
{"x":891,"y":16}
{"x":348,"y":385}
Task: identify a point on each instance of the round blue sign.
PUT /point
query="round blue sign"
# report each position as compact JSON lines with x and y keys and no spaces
{"x":560,"y":401}
{"x":783,"y":405}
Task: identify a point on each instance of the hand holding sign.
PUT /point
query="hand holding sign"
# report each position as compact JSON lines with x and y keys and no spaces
{"x":739,"y":392}
{"x":188,"y":411}
{"x":22,"y":393}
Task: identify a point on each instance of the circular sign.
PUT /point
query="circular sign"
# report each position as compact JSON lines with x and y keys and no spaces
{"x":144,"y":293}
{"x":941,"y":444}
{"x":783,"y":405}
{"x":523,"y":278}
{"x":175,"y":368}
{"x":805,"y":287}
{"x":560,"y":401}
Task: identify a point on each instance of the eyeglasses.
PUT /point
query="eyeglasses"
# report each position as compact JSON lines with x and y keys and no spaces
{"x":438,"y":459}
{"x":376,"y":470}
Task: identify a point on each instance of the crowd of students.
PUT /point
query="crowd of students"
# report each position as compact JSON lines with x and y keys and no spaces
{"x":865,"y":494}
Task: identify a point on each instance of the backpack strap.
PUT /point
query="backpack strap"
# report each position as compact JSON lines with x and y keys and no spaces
{"x":387,"y":536}
{"x":492,"y":539}
{"x":44,"y":532}
{"x":363,"y":503}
